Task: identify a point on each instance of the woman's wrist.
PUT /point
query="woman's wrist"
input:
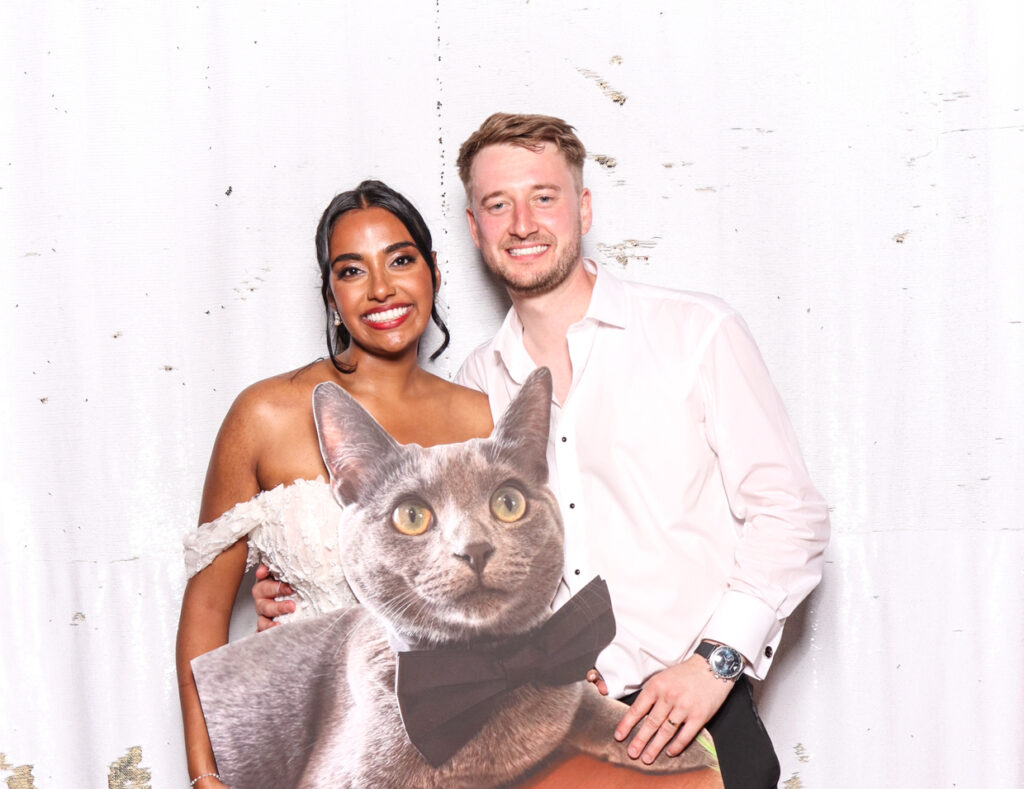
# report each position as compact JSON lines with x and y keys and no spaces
{"x":201,"y":776}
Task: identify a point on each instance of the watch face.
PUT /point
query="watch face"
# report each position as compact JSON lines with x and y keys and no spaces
{"x":726,"y":662}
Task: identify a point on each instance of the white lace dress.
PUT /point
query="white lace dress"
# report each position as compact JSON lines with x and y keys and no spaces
{"x":293,"y":529}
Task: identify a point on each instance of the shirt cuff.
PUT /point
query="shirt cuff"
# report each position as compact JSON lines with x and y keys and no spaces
{"x":749,"y":626}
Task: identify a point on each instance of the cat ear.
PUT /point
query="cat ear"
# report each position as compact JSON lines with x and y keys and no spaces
{"x":521,"y":435}
{"x":353,"y":445}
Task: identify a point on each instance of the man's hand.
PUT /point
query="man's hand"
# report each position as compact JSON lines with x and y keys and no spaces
{"x":594,"y":678}
{"x":677,"y":702}
{"x":264,"y":591}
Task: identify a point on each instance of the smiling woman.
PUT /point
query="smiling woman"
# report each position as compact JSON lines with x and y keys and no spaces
{"x":406,"y":233}
{"x":265,"y":498}
{"x":381,"y":287}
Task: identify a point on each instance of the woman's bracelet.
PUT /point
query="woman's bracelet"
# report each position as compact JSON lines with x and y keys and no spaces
{"x":198,"y":778}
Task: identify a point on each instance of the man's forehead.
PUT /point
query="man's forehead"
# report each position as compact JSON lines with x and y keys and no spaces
{"x":510,"y":152}
{"x":505,"y":163}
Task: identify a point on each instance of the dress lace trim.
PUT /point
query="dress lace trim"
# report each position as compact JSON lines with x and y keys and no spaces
{"x":293,"y":529}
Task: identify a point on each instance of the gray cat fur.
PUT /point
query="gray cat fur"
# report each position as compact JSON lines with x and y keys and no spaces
{"x":312,"y":703}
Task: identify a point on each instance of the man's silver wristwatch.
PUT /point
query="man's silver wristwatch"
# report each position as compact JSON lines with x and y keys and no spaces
{"x":725,"y":662}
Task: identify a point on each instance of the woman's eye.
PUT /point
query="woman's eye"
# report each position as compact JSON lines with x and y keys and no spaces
{"x":348,"y":272}
{"x":411,"y":518}
{"x":403,"y":260}
{"x":508,"y":504}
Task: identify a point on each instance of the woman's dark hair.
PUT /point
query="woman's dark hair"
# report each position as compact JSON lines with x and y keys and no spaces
{"x":371,"y":194}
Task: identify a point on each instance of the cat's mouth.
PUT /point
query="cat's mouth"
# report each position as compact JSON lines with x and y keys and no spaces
{"x":486,"y":609}
{"x":445,"y":606}
{"x":480,"y":598}
{"x":482,"y":612}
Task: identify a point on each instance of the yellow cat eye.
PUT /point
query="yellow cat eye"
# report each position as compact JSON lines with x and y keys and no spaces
{"x":412,"y":518}
{"x":508,"y":504}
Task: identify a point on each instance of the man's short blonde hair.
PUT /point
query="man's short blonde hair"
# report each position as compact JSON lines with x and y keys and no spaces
{"x":526,"y":131}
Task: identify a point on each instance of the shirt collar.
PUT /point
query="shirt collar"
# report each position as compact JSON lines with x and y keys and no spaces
{"x":509,"y":350}
{"x":608,"y":301}
{"x":607,"y":305}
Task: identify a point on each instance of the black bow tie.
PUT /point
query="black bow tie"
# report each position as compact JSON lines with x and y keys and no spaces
{"x":446,"y":695}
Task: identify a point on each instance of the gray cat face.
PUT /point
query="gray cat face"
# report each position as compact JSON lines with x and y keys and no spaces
{"x":449,"y":543}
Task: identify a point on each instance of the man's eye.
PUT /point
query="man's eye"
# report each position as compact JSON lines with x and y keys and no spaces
{"x":495,"y":206}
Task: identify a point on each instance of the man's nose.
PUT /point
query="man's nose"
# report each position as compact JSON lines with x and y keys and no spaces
{"x":523,"y":223}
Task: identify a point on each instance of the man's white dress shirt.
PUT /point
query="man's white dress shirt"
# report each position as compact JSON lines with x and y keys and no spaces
{"x":678,"y":475}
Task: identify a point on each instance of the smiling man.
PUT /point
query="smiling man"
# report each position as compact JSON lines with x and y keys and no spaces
{"x":530,"y":217}
{"x":678,"y":474}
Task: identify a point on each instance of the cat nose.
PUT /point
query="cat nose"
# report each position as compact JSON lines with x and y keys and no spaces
{"x":476,"y":555}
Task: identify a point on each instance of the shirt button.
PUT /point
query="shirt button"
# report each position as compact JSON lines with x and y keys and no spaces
{"x":572,"y":506}
{"x":564,"y":439}
{"x":768,"y":652}
{"x":577,"y":572}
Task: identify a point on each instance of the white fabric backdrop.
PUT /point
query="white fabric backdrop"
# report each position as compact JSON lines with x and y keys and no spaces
{"x":849,"y":176}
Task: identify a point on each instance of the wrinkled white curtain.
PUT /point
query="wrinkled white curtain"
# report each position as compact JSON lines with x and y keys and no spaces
{"x":851,"y":177}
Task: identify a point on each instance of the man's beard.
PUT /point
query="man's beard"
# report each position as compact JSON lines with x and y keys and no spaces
{"x":541,"y":282}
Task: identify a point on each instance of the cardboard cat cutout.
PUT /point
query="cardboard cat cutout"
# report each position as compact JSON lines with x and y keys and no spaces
{"x":455,"y":553}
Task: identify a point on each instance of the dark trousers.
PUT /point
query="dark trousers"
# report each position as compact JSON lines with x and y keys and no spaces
{"x":745,"y":752}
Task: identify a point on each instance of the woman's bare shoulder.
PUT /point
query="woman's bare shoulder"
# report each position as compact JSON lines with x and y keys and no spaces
{"x":267,"y":438}
{"x":282,"y":394}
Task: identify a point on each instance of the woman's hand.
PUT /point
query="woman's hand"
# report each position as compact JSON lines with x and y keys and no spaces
{"x":264,"y":593}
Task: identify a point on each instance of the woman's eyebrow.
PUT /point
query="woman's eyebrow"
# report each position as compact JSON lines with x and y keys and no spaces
{"x":387,"y":251}
{"x":347,"y":256}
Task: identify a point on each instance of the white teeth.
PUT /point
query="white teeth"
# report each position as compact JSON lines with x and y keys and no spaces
{"x":386,"y":315}
{"x":527,"y":250}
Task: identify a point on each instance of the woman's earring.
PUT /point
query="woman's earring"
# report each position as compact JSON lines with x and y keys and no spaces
{"x":337,"y":318}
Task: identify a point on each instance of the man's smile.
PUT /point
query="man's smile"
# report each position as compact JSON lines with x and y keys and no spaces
{"x":518,"y":252}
